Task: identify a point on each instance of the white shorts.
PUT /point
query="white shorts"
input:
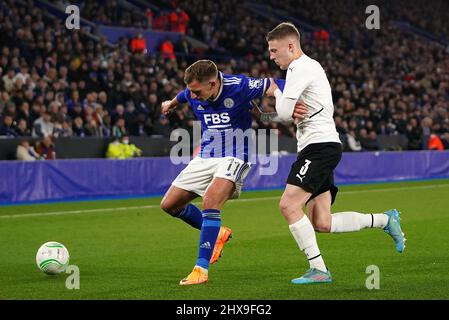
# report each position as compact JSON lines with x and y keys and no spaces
{"x":199,"y":173}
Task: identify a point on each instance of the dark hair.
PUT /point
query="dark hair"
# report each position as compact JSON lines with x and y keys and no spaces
{"x":202,"y":70}
{"x":283,"y":30}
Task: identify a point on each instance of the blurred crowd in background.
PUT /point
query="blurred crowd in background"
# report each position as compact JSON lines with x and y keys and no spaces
{"x":56,"y":82}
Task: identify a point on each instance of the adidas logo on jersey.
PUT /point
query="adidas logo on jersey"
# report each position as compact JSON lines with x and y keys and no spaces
{"x":206,"y":245}
{"x":200,"y":107}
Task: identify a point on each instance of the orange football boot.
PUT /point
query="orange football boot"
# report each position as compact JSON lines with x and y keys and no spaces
{"x":197,"y":276}
{"x":223,"y":236}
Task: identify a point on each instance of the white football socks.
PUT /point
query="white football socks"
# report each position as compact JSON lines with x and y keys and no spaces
{"x":202,"y":269}
{"x":304,"y":235}
{"x":353,"y":221}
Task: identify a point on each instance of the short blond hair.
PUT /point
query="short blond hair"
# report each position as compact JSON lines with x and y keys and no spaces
{"x":283,"y":30}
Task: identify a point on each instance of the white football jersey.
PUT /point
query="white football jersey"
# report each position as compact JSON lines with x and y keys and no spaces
{"x":306,"y":81}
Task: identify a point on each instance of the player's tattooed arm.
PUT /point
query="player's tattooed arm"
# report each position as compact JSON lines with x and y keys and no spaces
{"x":269,"y":117}
{"x":263,"y":116}
{"x":299,"y":113}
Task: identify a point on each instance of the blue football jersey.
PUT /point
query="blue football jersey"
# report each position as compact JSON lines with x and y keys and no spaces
{"x":226,"y":120}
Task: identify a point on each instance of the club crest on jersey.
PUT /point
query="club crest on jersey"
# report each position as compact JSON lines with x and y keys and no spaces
{"x":228,"y":103}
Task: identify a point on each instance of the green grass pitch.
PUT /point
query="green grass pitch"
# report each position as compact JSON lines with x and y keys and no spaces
{"x":130,"y":249}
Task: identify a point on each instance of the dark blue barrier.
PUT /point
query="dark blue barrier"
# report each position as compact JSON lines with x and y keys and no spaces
{"x":70,"y":179}
{"x":153,"y":38}
{"x":407,"y":27}
{"x":93,"y":178}
{"x":367,"y":167}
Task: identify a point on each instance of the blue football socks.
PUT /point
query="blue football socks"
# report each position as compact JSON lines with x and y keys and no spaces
{"x":192,"y":215}
{"x":209,"y":233}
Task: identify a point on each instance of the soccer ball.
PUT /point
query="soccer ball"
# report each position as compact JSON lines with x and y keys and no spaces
{"x":52,"y":257}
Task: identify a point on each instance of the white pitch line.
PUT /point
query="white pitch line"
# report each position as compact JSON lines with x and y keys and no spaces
{"x":58,"y":213}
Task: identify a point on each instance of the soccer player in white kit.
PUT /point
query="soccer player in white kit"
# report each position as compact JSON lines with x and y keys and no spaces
{"x":310,"y":181}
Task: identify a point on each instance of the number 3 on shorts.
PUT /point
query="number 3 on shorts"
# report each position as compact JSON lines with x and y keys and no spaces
{"x":304,"y":168}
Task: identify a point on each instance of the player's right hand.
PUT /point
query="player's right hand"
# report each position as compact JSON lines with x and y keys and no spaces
{"x":300,"y":112}
{"x":165,"y":107}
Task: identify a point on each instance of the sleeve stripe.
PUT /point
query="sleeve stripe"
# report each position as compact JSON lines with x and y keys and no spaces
{"x":232,"y":81}
{"x":232,"y":78}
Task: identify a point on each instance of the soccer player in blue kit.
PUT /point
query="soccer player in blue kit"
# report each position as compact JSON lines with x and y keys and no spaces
{"x":222,"y":103}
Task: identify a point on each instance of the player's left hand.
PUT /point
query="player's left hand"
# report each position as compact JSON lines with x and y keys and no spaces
{"x":272,"y":88}
{"x":300,"y":112}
